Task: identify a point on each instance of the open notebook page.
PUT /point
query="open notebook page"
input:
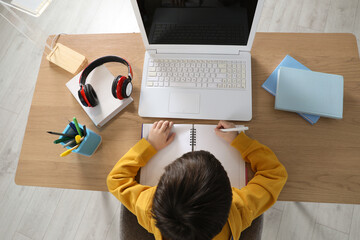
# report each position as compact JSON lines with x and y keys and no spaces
{"x":152,"y":171}
{"x":230,"y":158}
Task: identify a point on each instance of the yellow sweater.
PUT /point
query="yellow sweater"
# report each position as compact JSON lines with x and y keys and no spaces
{"x":248,"y":202}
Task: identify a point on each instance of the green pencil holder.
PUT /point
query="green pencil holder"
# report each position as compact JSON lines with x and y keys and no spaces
{"x":88,"y":145}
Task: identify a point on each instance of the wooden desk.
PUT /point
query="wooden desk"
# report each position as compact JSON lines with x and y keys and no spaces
{"x":323,"y":160}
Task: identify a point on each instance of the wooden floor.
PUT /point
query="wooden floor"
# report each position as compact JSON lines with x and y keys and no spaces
{"x":46,"y":213}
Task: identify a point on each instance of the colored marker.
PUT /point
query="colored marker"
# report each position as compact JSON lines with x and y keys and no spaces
{"x":77,"y":126}
{"x":67,"y":152}
{"x":62,"y":134}
{"x":63,"y":139}
{"x":84,"y":128}
{"x":72,"y":125}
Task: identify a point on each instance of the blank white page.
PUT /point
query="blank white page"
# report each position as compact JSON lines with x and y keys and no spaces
{"x":152,"y":171}
{"x":231,"y":159}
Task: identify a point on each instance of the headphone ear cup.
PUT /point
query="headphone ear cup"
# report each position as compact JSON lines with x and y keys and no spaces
{"x":81,"y":98}
{"x":91,"y":95}
{"x":114,"y":85}
{"x":125,"y":87}
{"x":119,"y":87}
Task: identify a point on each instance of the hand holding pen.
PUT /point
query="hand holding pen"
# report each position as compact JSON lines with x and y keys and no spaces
{"x":228,"y":131}
{"x":235,"y":129}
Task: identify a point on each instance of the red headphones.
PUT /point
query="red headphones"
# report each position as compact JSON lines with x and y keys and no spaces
{"x":121,"y":87}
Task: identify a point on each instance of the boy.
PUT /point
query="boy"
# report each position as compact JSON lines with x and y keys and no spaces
{"x":194,"y":199}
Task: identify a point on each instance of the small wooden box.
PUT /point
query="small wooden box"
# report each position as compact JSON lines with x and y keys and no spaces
{"x":67,"y":58}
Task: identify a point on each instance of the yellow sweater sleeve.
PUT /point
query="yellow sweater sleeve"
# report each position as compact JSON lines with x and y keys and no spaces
{"x":263,"y":190}
{"x":121,"y":182}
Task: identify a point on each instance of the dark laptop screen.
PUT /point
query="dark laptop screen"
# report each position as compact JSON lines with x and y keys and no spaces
{"x":202,"y":22}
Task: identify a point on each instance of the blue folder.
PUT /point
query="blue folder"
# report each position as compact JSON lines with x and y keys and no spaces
{"x":271,"y":83}
{"x":310,"y":92}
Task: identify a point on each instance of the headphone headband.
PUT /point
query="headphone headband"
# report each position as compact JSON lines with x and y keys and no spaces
{"x":100,"y":61}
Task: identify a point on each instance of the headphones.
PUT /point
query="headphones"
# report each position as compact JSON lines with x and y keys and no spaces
{"x":121,"y":87}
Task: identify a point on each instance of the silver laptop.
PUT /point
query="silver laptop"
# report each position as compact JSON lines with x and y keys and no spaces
{"x":197,"y":62}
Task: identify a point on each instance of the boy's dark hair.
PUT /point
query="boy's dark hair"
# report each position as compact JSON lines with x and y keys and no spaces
{"x":193,"y":198}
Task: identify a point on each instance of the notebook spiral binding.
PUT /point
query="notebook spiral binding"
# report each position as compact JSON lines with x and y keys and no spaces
{"x":192,"y":137}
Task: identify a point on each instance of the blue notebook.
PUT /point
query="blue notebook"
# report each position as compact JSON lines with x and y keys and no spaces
{"x":271,"y":83}
{"x":310,"y":92}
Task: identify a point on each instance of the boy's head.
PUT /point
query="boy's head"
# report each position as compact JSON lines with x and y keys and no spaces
{"x":193,"y":198}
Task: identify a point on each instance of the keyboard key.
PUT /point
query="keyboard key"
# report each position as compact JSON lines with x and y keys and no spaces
{"x":152,"y":79}
{"x":182,"y":84}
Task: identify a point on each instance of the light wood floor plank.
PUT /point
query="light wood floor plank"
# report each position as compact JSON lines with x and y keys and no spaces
{"x":98,"y":216}
{"x":19,"y":236}
{"x":5,"y":180}
{"x":326,"y":233}
{"x":286,"y":16}
{"x":307,"y":30}
{"x":357,"y":23}
{"x":355,"y":224}
{"x":14,"y":132}
{"x":341,"y":16}
{"x":280,"y":205}
{"x":272,"y":220}
{"x":7,"y":121}
{"x":20,"y":74}
{"x":114,"y":231}
{"x":304,"y":215}
{"x":39,"y":212}
{"x":266,"y":15}
{"x":16,"y":199}
{"x":68,"y":214}
{"x":336,"y":216}
{"x":314,"y":14}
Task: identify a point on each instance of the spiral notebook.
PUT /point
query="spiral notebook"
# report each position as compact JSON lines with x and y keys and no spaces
{"x":194,"y":137}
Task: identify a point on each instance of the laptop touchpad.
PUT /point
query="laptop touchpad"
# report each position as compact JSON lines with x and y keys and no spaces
{"x":183,"y":102}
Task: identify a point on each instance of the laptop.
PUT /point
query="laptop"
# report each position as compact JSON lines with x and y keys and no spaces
{"x":197,"y":62}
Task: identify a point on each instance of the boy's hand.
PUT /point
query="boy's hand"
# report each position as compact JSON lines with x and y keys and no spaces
{"x":227,"y":136}
{"x":160,"y":136}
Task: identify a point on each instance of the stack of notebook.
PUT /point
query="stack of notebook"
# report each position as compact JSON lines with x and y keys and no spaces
{"x":310,"y":94}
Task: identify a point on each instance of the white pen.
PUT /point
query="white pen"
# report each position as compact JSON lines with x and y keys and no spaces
{"x":234,"y":129}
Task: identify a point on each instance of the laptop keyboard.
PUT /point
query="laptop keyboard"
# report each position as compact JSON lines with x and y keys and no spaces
{"x":196,"y":73}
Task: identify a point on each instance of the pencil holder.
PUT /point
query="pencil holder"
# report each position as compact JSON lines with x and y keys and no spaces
{"x":88,"y":145}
